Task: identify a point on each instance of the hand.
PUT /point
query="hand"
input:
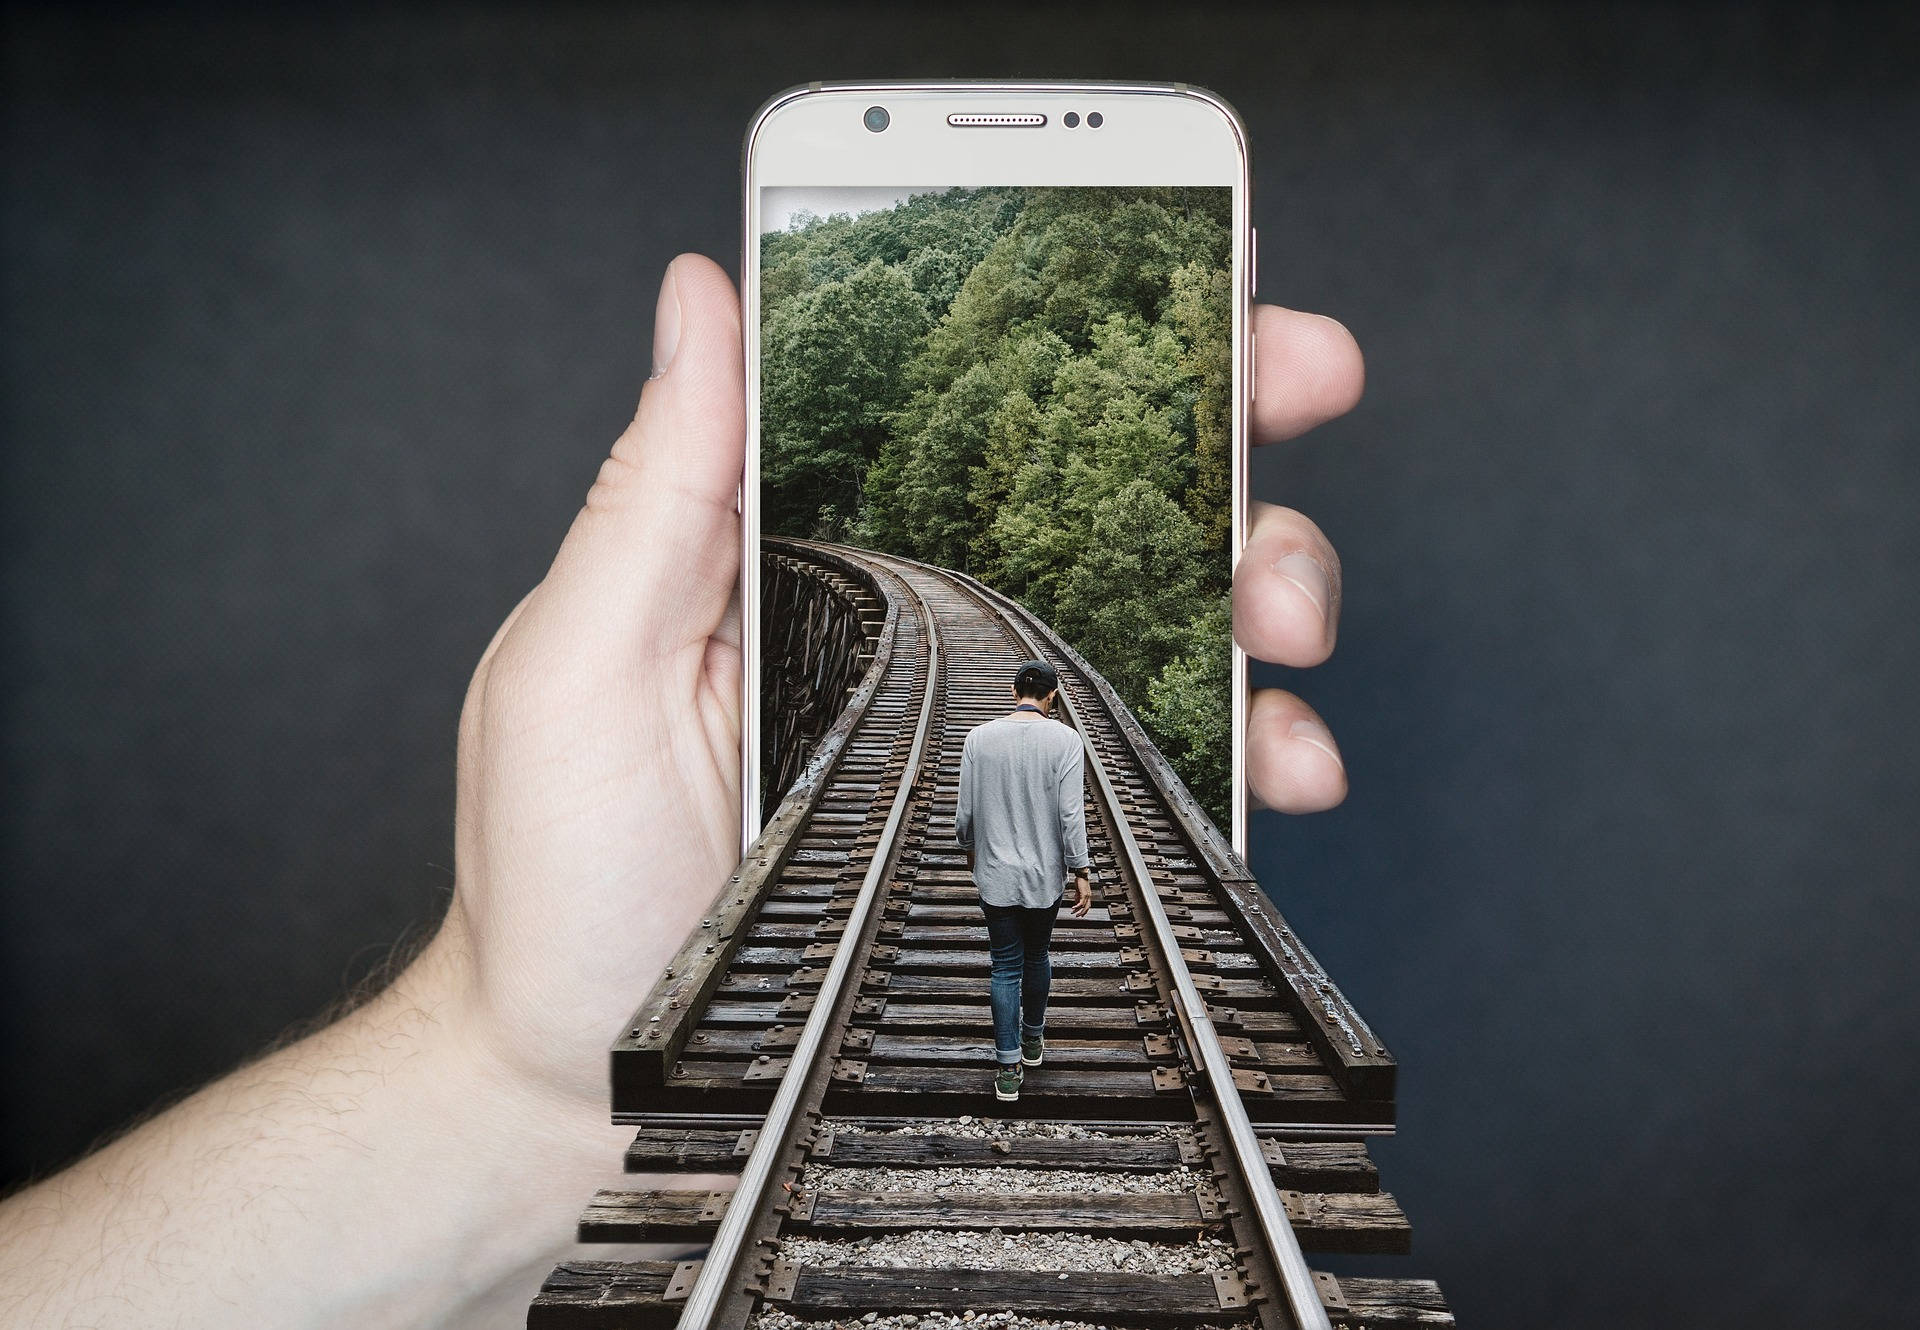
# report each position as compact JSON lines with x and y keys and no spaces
{"x":1082,"y":897}
{"x":1286,"y":589}
{"x":598,"y":806}
{"x":598,"y":803}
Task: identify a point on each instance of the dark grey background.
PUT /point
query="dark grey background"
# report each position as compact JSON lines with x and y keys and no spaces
{"x":316,"y":330}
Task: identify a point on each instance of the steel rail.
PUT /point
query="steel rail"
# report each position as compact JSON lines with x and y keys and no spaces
{"x":1283,"y":1245}
{"x":715,"y":1279}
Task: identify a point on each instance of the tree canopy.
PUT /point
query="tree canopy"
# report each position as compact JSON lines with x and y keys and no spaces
{"x":1033,"y":386}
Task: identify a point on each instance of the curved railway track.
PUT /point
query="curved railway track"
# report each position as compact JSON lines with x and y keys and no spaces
{"x":1200,"y":1119}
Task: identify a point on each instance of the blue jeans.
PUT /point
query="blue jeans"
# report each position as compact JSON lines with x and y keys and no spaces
{"x":1017,"y":936}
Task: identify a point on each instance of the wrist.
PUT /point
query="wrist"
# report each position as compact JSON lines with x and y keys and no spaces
{"x":513,"y":1151}
{"x":504,"y":1073}
{"x":396,"y":1143}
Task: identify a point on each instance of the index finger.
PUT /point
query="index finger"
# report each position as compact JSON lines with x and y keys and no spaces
{"x":1307,"y":370}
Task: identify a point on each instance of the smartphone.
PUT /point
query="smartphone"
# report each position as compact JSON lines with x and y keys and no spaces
{"x":1001,"y":329}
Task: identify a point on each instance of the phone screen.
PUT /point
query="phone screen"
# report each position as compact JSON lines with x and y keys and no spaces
{"x":1029,"y":385}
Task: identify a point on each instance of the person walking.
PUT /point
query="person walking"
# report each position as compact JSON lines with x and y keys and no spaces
{"x":1021,"y":818}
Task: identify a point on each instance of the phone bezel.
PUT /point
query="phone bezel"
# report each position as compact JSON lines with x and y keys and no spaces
{"x":1156,"y":148}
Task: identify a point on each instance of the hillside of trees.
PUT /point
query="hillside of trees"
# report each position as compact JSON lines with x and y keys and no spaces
{"x":1032,"y":386}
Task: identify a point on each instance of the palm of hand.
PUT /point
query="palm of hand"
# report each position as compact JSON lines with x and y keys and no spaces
{"x":597,"y":818}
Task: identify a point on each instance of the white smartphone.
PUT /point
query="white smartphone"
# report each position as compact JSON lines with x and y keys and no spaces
{"x":1004,"y":329}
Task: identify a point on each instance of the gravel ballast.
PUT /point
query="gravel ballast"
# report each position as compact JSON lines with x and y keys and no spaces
{"x":779,"y":1320}
{"x":986,"y":1129}
{"x":995,"y":1250}
{"x":1062,"y":1180}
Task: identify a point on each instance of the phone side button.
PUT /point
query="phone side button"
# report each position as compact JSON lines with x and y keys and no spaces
{"x":1253,"y":362}
{"x":1253,"y":262}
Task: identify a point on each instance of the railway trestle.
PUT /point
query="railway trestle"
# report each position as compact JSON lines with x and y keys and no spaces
{"x":1199,"y":1125}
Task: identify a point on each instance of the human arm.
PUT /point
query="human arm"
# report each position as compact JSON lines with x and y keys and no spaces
{"x":357,"y":1177}
{"x":963,"y":801}
{"x":1071,"y":791}
{"x":423,"y":1160}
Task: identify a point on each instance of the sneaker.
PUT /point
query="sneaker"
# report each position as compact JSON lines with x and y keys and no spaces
{"x":1006,"y":1082}
{"x":1032,"y":1050}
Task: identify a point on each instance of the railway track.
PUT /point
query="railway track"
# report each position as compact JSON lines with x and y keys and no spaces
{"x":1200,"y":1121}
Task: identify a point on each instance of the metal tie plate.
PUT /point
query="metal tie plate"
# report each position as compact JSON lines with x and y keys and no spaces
{"x":1230,"y":1289}
{"x":1332,"y":1296}
{"x":780,"y":1282}
{"x":1208,"y":1198}
{"x":681,"y":1283}
{"x":1249,"y":1081}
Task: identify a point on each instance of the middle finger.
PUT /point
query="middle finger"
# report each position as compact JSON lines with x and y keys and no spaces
{"x":1286,"y":589}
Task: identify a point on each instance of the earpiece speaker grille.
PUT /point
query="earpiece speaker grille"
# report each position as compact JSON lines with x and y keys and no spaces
{"x":997,"y":120}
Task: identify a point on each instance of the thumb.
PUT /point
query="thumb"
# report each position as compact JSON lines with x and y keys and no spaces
{"x":651,"y":559}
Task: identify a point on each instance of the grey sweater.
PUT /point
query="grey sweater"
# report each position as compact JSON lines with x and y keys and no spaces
{"x":1022,"y":808}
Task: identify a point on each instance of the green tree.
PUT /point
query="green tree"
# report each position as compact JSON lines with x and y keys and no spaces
{"x":1034,"y":385}
{"x":1201,"y":309}
{"x":830,"y":378}
{"x":944,"y":438}
{"x":1040,"y":530}
{"x":1130,"y":596}
{"x":1189,"y":712}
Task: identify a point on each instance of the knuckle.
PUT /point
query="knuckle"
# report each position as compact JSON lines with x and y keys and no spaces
{"x":614,"y":483}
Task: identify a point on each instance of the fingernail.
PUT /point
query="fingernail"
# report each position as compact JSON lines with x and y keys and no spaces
{"x":1305,"y":572}
{"x":666,"y":324}
{"x":1313,"y":732}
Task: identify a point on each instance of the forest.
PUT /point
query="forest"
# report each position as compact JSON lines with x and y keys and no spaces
{"x":1032,"y":386}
